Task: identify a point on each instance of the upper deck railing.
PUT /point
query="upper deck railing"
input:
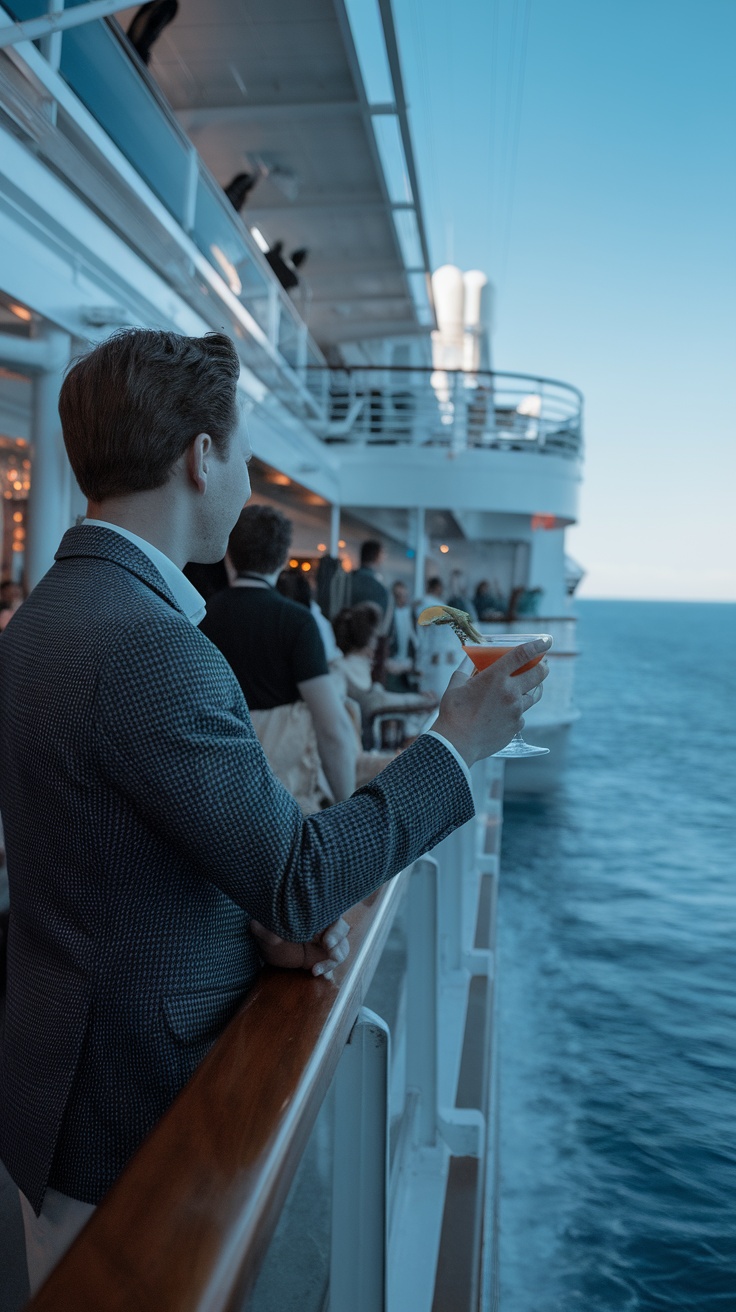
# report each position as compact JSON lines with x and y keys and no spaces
{"x":451,"y":408}
{"x":401,"y":1155}
{"x":103,"y":71}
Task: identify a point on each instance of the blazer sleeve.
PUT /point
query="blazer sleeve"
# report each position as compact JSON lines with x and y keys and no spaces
{"x":177,"y":747}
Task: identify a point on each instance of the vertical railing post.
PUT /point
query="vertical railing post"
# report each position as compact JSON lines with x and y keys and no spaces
{"x":302,"y":352}
{"x":191,"y":184}
{"x":274,"y":314}
{"x":49,"y":501}
{"x":422,"y":1009}
{"x":359,"y":1243}
{"x":420,"y":553}
{"x":450,"y":895}
{"x":334,"y":531}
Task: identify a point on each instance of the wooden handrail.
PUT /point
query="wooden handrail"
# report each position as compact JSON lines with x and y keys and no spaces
{"x":187,"y":1224}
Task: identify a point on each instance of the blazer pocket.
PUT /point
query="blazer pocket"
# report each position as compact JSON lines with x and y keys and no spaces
{"x":200,"y":1016}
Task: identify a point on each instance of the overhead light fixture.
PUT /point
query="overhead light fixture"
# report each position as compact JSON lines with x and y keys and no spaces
{"x":444,"y":548}
{"x":20,"y":312}
{"x":260,"y":240}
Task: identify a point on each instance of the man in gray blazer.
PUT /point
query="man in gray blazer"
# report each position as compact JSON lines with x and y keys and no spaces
{"x":147,"y":838}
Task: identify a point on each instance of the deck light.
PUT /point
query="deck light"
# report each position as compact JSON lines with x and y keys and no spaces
{"x":341,"y":543}
{"x":21,"y":312}
{"x":260,"y":240}
{"x":444,"y":548}
{"x":229,"y":270}
{"x":306,"y":566}
{"x":321,"y":546}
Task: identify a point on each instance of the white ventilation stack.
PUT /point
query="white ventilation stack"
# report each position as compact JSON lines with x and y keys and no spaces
{"x":463,"y":307}
{"x":477,"y":321}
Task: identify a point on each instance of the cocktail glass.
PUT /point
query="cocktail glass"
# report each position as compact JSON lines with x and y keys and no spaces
{"x":491,"y":648}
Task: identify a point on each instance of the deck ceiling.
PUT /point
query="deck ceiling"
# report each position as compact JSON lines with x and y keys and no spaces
{"x":276,"y":82}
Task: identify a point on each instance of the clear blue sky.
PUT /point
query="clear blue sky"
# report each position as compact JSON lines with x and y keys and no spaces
{"x":583,"y":154}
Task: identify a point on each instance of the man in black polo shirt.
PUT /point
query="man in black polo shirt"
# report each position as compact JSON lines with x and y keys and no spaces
{"x":275,"y":649}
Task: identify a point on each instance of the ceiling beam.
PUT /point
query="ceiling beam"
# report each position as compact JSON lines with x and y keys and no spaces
{"x":357,"y":300}
{"x":194,"y":120}
{"x":342,"y":203}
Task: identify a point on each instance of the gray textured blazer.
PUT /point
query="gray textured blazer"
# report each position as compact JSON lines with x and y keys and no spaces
{"x":143,"y":829}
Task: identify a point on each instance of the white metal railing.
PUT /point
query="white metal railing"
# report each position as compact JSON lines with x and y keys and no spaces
{"x":400,"y":1084}
{"x":400,"y":1132}
{"x":452,"y":408}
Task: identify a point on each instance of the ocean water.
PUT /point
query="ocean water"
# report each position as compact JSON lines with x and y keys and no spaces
{"x":617,"y":947}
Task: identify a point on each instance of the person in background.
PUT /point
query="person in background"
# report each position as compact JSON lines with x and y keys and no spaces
{"x":438,"y":651}
{"x":459,"y":597}
{"x":357,"y":632}
{"x":489,"y":604}
{"x":366,"y":583}
{"x":402,"y":645}
{"x":11,"y":597}
{"x":524,"y":601}
{"x":297,"y":586}
{"x":274,"y":647}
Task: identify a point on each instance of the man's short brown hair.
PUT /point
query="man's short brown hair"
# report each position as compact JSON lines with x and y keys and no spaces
{"x":132,"y":405}
{"x":260,"y":540}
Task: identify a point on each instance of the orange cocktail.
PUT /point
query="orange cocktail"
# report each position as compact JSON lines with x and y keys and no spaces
{"x":490,"y":650}
{"x":482,"y":657}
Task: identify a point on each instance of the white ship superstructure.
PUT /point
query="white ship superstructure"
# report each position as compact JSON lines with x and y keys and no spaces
{"x":372,"y":409}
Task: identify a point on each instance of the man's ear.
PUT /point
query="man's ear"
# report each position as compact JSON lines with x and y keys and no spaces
{"x":197,"y":460}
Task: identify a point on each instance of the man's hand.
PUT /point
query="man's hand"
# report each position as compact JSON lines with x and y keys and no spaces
{"x":481,"y":714}
{"x":320,"y":955}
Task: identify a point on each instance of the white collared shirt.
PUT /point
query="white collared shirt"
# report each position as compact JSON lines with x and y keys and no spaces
{"x":184,"y":593}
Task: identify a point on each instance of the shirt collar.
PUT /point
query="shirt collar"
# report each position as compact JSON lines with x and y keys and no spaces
{"x":184,"y":593}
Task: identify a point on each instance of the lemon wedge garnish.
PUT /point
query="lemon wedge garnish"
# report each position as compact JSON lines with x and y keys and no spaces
{"x":433,"y":615}
{"x":462,"y":625}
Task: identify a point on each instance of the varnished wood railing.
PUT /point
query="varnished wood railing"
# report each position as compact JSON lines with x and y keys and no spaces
{"x":186,"y":1226}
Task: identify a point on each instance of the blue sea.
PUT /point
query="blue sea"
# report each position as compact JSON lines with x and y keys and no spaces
{"x":617,"y":966}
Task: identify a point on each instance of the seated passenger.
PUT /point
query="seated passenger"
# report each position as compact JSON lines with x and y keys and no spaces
{"x":356,"y":631}
{"x":275,"y":649}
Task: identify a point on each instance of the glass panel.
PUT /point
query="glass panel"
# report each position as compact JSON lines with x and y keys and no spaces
{"x":367,"y":28}
{"x":109,"y":84}
{"x":289,"y":334}
{"x":391,"y":150}
{"x":217,"y":236}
